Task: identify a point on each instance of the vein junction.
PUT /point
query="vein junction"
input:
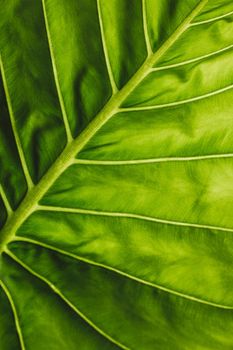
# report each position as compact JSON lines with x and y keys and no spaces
{"x":35,"y":193}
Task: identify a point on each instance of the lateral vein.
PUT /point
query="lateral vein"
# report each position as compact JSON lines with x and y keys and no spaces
{"x":16,"y":318}
{"x":151,"y":160}
{"x":66,"y":300}
{"x":130,"y":215}
{"x":176,"y":103}
{"x":56,"y":78}
{"x":5,"y":201}
{"x":120,"y":272}
{"x":192,"y":24}
{"x":192,"y":60}
{"x":145,"y":29}
{"x":14,"y":129}
{"x":105,"y":50}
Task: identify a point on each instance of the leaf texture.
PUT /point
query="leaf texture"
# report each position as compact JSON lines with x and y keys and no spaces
{"x":116,"y":175}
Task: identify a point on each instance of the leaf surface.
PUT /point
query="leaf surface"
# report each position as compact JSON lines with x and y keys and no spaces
{"x":116,"y":175}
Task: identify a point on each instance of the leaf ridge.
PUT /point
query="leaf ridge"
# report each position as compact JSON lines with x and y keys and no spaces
{"x":66,"y":300}
{"x":120,"y":272}
{"x":15,"y":313}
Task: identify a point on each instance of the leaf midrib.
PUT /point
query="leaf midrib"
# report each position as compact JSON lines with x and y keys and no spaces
{"x":32,"y":198}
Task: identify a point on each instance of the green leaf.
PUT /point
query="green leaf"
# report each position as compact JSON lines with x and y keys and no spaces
{"x":116,"y":175}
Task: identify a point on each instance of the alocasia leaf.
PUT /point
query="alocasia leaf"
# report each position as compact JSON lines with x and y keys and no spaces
{"x":116,"y":171}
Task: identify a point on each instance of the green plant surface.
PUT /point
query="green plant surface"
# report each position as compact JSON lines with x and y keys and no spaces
{"x":116,"y":175}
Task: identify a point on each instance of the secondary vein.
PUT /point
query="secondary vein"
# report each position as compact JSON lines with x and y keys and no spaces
{"x":152,"y":160}
{"x":15,"y":313}
{"x":56,"y":78}
{"x":5,"y":201}
{"x":105,"y":49}
{"x":122,"y":273}
{"x":131,"y":215}
{"x":15,"y":131}
{"x":66,"y":300}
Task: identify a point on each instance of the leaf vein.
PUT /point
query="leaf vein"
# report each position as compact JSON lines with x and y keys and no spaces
{"x":5,"y":201}
{"x":176,"y":103}
{"x":145,"y":29}
{"x":130,"y":215}
{"x":192,"y":60}
{"x":56,"y":78}
{"x":66,"y":300}
{"x":120,"y":272}
{"x":192,"y":24}
{"x":151,"y":160}
{"x":14,"y":129}
{"x":105,"y":50}
{"x":15,"y":313}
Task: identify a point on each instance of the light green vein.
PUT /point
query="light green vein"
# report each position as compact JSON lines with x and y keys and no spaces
{"x":66,"y":300}
{"x":105,"y":49}
{"x":5,"y":201}
{"x":213,"y":19}
{"x":14,"y":129}
{"x":120,"y":272}
{"x":145,"y":28}
{"x":74,"y":147}
{"x":17,"y":324}
{"x":176,"y":103}
{"x":192,"y":60}
{"x":56,"y":78}
{"x":151,"y":160}
{"x":130,"y":215}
